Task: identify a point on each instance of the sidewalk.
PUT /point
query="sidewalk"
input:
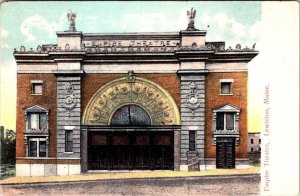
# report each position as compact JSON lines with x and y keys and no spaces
{"x":128,"y":175}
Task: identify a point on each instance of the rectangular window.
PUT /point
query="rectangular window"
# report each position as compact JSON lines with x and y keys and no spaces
{"x":37,"y":147}
{"x":37,"y":121}
{"x":69,"y":140}
{"x":225,"y":121}
{"x":192,"y":139}
{"x":37,"y":87}
{"x":225,"y":87}
{"x":251,"y":141}
{"x":220,"y":121}
{"x":251,"y":149}
{"x":34,"y":121}
{"x":42,"y":149}
{"x":33,"y":148}
{"x":259,"y":140}
{"x":229,"y":121}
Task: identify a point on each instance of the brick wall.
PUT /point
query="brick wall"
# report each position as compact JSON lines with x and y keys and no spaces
{"x":47,"y":100}
{"x":214,"y":100}
{"x":92,"y":82}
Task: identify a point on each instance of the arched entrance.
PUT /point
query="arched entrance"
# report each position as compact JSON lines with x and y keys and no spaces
{"x":130,"y":125}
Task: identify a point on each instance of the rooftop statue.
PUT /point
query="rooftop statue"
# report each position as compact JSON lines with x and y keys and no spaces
{"x":191,"y":16}
{"x":71,"y":18}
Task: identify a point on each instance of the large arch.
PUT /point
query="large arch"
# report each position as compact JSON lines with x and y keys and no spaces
{"x":123,"y":91}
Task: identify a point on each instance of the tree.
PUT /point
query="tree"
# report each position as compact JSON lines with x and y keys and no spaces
{"x":9,"y":148}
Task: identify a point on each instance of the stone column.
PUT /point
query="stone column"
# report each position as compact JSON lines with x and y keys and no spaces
{"x":192,"y":96}
{"x":176,"y":150}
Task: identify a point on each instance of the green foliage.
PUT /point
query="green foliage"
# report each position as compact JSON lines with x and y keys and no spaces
{"x":7,"y":171}
{"x":9,"y":148}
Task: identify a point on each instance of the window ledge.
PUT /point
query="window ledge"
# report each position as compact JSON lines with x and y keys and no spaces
{"x":35,"y":158}
{"x":36,"y":94}
{"x":69,"y":152}
{"x":226,"y":94}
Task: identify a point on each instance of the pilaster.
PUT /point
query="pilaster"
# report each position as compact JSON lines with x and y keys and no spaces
{"x":68,"y":114}
{"x":192,"y":94}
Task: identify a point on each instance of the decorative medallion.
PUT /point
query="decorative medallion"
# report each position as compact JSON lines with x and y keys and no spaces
{"x":70,"y":100}
{"x":131,"y":90}
{"x":193,"y":101}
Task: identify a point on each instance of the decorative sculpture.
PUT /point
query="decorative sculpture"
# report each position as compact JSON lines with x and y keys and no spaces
{"x":130,"y":77}
{"x":238,"y":47}
{"x":39,"y":49}
{"x":70,"y":100}
{"x":193,"y":102}
{"x":22,"y":49}
{"x":191,"y":16}
{"x":71,"y":18}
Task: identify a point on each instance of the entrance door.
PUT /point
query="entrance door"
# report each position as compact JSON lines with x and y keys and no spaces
{"x":120,"y":150}
{"x":225,"y":153}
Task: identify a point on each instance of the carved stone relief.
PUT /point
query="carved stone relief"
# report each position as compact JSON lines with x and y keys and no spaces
{"x":131,"y":90}
{"x":70,"y":100}
{"x":193,"y":101}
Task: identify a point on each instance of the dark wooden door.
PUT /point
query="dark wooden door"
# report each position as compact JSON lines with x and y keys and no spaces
{"x":225,"y":153}
{"x":131,"y":150}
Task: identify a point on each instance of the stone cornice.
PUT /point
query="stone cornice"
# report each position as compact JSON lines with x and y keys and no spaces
{"x":193,"y":55}
{"x":68,"y":72}
{"x":193,"y":33}
{"x":192,"y":71}
{"x":69,"y":33}
{"x":233,"y":56}
{"x":184,"y":54}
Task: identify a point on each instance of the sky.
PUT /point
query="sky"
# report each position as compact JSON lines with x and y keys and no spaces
{"x":34,"y":23}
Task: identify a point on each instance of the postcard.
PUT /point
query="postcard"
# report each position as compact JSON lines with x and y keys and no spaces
{"x":149,"y":98}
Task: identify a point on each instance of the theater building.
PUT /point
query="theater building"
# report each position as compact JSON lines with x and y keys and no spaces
{"x":131,"y":101}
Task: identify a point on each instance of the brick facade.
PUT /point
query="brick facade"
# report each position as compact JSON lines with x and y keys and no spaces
{"x":215,"y":100}
{"x":25,"y":99}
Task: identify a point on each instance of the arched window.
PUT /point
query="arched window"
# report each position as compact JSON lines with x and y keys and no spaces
{"x":131,"y":115}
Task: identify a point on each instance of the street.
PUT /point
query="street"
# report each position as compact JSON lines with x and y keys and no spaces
{"x":218,"y":185}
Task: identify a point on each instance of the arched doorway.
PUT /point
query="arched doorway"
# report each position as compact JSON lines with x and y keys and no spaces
{"x":139,"y":149}
{"x":130,"y":126}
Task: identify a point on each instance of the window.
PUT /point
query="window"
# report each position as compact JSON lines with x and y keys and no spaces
{"x":251,"y":149}
{"x":69,"y":140}
{"x":259,"y":140}
{"x":225,"y":121}
{"x":36,"y":87}
{"x":36,"y":134}
{"x":251,"y":141}
{"x":37,"y":147}
{"x":259,"y":149}
{"x":226,"y":86}
{"x":131,"y":115}
{"x":192,"y":146}
{"x":37,"y":121}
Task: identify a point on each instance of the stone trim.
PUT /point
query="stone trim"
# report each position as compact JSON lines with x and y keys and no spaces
{"x":227,"y":133}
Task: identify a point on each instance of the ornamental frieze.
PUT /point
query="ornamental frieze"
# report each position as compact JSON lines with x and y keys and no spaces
{"x":155,"y":100}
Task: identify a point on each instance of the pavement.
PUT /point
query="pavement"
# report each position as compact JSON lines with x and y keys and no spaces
{"x":112,"y":175}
